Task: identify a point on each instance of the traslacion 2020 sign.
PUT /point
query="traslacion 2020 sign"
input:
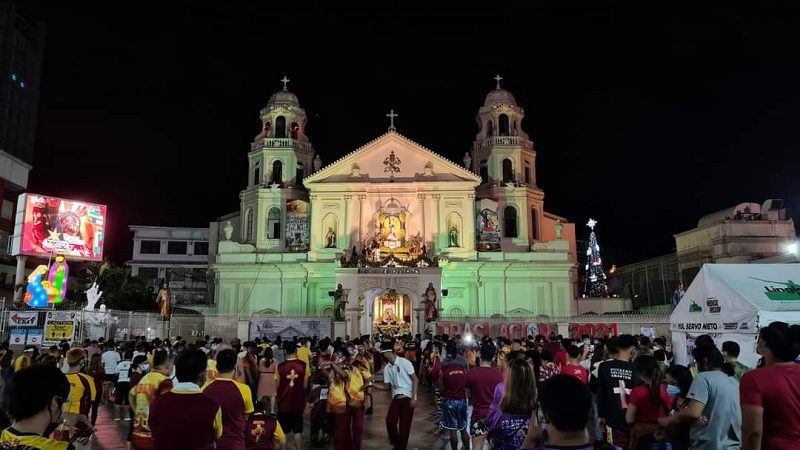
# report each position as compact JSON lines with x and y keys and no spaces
{"x":52,"y":225}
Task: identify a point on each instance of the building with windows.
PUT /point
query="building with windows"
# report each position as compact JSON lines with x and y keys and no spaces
{"x":745,"y":233}
{"x":393,"y":227}
{"x":21,"y":50}
{"x":177,"y":255}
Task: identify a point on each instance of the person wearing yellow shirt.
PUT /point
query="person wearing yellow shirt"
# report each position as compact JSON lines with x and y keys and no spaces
{"x":23,"y":360}
{"x":36,"y":400}
{"x":82,"y":392}
{"x":346,"y":396}
{"x":156,"y":382}
{"x":304,"y":354}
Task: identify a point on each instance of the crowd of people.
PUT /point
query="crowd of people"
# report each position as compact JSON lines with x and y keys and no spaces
{"x":544,"y":393}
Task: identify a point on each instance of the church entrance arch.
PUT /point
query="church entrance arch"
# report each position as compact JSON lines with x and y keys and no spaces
{"x":390,"y":312}
{"x":390,"y":298}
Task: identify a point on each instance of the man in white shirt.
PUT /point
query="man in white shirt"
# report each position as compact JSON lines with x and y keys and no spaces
{"x":110,"y":359}
{"x":399,"y":373}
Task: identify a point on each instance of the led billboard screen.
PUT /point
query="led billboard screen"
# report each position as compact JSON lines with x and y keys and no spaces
{"x":52,"y":225}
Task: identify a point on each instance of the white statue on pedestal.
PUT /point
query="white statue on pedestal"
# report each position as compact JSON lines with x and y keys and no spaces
{"x":97,"y":321}
{"x":93,"y":296}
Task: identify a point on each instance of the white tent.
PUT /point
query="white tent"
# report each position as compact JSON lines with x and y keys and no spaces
{"x":731,"y":301}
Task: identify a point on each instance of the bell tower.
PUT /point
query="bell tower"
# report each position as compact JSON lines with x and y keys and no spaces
{"x":504,"y":157}
{"x":279,"y":158}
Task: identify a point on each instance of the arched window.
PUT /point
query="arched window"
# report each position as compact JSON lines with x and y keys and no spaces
{"x":274,"y":223}
{"x":299,"y":174}
{"x":294,"y":129}
{"x":508,"y":170}
{"x":280,"y":127}
{"x":277,"y":169}
{"x":257,"y":175}
{"x":502,"y":125}
{"x":527,"y":175}
{"x":490,"y":129}
{"x":248,"y":230}
{"x":510,"y":222}
{"x":534,"y":225}
{"x":484,"y":171}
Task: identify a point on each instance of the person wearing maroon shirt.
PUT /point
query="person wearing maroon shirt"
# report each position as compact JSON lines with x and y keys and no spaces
{"x":234,"y":397}
{"x":185,"y":418}
{"x":480,"y":385}
{"x":454,"y":403}
{"x":573,"y":366}
{"x":770,"y":395}
{"x":291,"y":378}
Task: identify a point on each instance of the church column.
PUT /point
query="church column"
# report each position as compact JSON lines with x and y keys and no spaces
{"x":361,"y":199}
{"x":345,"y":244}
{"x":469,"y":224}
{"x":312,"y":223}
{"x":421,"y":198}
{"x":436,"y":231}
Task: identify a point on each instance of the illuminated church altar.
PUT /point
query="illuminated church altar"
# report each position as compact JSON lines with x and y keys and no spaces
{"x":392,"y":314}
{"x":388,"y":220}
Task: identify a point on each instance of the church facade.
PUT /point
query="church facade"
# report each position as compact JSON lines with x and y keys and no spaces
{"x":393,"y":236}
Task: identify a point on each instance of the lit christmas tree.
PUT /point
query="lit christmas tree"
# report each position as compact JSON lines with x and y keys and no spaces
{"x":595,"y":277}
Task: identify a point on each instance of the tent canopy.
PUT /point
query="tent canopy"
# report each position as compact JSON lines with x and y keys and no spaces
{"x":726,"y":298}
{"x":730,"y":301}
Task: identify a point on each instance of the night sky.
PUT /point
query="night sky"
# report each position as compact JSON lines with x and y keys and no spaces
{"x":644,"y":116}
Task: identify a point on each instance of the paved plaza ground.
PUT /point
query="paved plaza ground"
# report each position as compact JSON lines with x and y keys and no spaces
{"x":424,"y":430}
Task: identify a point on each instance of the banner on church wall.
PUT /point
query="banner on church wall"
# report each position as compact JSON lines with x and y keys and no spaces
{"x":297,"y":227}
{"x":510,"y":330}
{"x":273,"y":327}
{"x":598,"y":330}
{"x":487,"y":226}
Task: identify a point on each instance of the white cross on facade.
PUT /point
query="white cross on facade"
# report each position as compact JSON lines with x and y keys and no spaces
{"x":285,"y":81}
{"x":498,"y":78}
{"x":391,"y":117}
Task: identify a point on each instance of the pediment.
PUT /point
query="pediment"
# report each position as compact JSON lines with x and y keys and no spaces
{"x":392,"y":157}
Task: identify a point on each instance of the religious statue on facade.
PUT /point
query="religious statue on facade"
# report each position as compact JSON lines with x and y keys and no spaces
{"x":559,"y":228}
{"x":330,"y":238}
{"x":317,"y":162}
{"x":429,"y":300}
{"x":467,"y":161}
{"x":338,"y":303}
{"x":453,"y":237}
{"x":164,"y":301}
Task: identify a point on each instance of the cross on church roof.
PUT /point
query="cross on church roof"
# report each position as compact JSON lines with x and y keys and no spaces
{"x":286,"y":80}
{"x":498,"y":78}
{"x":391,"y":117}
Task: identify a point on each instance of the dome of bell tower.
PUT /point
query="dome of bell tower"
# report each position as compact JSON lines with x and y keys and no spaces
{"x":498,"y":97}
{"x":284,"y":97}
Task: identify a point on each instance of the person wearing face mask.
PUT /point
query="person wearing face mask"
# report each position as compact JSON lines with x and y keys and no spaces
{"x":679,"y":380}
{"x":82,"y":393}
{"x":36,"y":398}
{"x":713,"y":405}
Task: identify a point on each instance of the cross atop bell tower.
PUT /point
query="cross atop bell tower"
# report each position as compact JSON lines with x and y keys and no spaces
{"x":498,"y":78}
{"x":285,"y":81}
